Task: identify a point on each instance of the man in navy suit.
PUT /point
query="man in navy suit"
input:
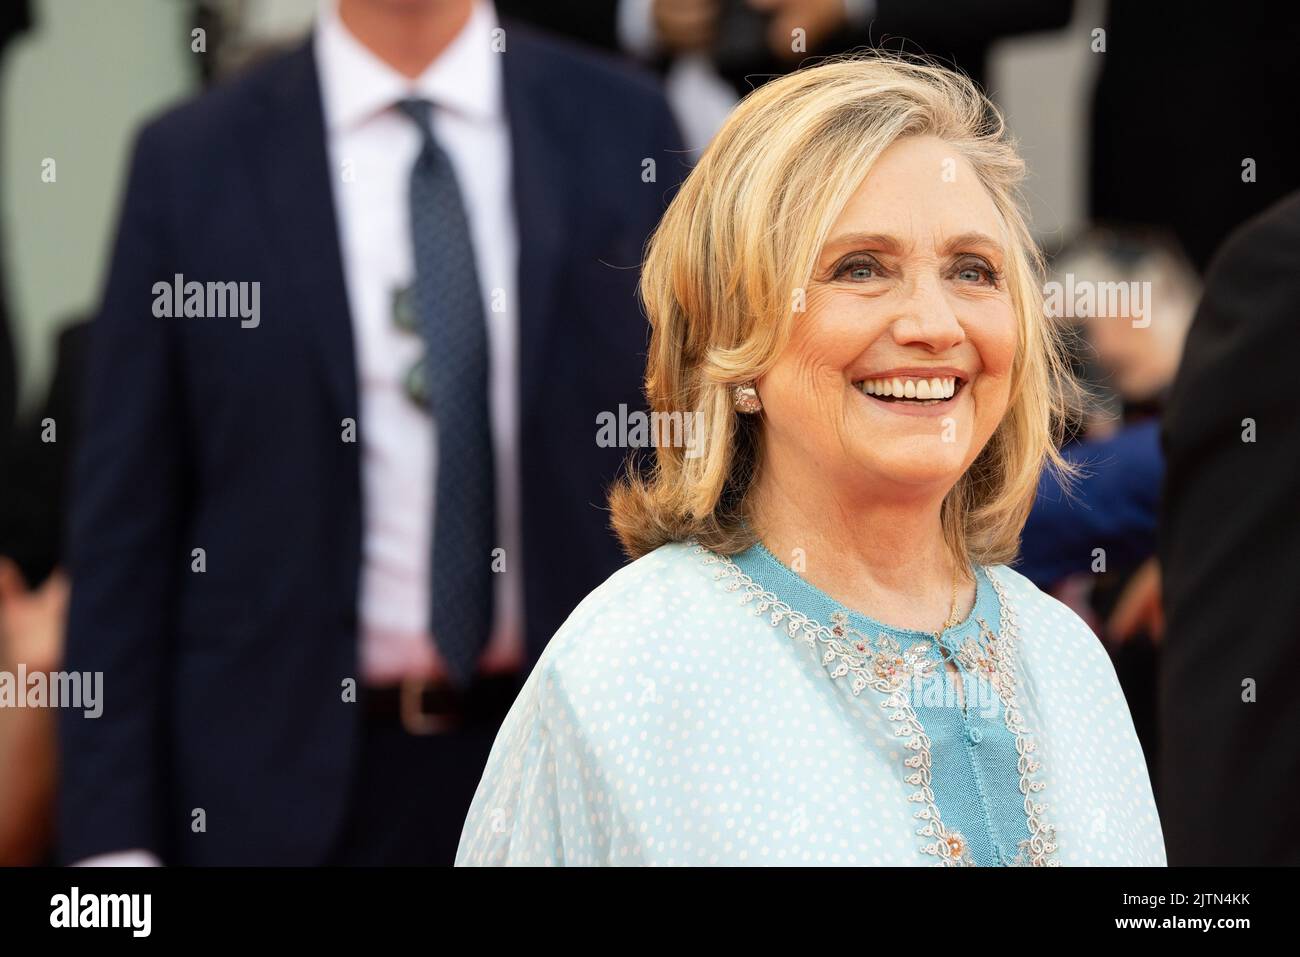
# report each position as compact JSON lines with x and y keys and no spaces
{"x":366,"y":304}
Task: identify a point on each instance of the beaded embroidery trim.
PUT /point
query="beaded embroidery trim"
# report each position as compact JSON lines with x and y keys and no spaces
{"x":887,"y":669}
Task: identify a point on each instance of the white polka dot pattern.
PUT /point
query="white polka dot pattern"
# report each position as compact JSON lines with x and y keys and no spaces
{"x":667,"y":725}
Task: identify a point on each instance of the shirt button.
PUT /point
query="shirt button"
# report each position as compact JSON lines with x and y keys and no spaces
{"x":975,"y":736}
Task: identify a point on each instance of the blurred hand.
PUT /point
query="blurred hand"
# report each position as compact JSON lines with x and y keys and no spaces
{"x":819,"y":19}
{"x":1139,"y":607}
{"x":32,"y":622}
{"x":683,"y":26}
{"x":31,"y":634}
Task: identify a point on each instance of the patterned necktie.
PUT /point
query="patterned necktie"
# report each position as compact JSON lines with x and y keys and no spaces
{"x":450,"y":316}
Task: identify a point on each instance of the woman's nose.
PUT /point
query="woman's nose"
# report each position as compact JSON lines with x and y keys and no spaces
{"x":927,"y":318}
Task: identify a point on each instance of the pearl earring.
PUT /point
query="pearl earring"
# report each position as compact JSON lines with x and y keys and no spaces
{"x":745,"y":398}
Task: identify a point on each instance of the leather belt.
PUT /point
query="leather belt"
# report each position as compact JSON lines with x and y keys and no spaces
{"x":437,"y":707}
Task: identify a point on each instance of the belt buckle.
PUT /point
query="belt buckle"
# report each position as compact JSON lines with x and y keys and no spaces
{"x":415,"y":720}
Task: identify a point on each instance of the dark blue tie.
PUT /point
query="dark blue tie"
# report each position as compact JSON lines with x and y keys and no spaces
{"x":450,"y":314}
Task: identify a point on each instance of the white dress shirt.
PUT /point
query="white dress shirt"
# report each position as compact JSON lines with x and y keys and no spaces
{"x":371,"y":150}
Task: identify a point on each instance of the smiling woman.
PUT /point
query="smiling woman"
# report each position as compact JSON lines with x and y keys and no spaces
{"x":846,"y":293}
{"x":881,"y":197}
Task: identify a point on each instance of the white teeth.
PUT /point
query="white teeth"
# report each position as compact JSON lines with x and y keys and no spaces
{"x":921,"y":390}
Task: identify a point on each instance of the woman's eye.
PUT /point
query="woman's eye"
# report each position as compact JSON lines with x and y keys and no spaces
{"x":977,"y":272}
{"x":858,"y":270}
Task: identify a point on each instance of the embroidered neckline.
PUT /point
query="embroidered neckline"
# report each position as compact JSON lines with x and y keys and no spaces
{"x":968,"y":623}
{"x":887,"y":669}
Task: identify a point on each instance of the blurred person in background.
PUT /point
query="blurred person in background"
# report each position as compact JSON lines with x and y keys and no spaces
{"x":1130,"y":355}
{"x":315,"y":551}
{"x":31,"y":639}
{"x":34,"y":597}
{"x":1229,"y":550}
{"x":712,"y":52}
{"x":34,"y":588}
{"x":1094,"y":544}
{"x":33,"y":591}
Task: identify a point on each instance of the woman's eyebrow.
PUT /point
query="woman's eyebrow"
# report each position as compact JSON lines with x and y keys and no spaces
{"x":885,"y":243}
{"x":872,"y":242}
{"x":974,"y":240}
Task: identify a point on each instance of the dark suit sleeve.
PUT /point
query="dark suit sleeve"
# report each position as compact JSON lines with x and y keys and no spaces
{"x":1229,"y":550}
{"x":125,"y":553}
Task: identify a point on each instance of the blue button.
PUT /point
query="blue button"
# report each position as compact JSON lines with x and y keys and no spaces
{"x":975,"y":736}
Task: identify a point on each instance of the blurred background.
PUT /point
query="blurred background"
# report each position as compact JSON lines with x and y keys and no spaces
{"x":1150,"y":136}
{"x":81,"y":76}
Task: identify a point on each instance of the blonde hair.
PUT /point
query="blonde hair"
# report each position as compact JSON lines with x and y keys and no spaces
{"x":745,"y":231}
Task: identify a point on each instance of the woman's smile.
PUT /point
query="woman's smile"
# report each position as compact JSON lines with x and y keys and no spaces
{"x":913,"y":391}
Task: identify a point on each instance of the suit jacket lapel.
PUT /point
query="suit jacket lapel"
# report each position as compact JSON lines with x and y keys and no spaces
{"x":541,"y":188}
{"x":293,"y":170}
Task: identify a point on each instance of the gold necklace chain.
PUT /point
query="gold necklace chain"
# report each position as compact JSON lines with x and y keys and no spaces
{"x":952,"y":608}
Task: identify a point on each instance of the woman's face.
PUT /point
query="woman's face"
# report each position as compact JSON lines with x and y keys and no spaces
{"x":898,"y":371}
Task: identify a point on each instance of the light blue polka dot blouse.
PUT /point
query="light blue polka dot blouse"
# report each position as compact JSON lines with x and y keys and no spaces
{"x":700,"y":710}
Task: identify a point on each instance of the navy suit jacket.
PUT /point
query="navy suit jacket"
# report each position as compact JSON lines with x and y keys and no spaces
{"x":223,"y":689}
{"x":1114,"y":505}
